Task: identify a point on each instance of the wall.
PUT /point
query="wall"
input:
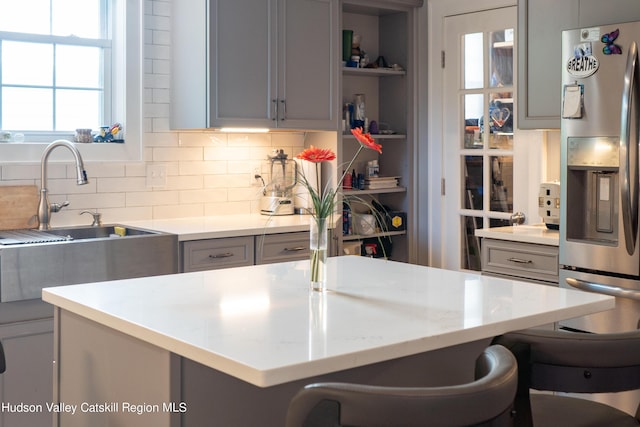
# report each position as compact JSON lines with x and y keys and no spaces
{"x":206,"y":173}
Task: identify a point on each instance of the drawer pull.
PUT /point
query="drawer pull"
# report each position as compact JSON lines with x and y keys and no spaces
{"x":296,"y":249}
{"x":224,"y":255}
{"x":520,"y":260}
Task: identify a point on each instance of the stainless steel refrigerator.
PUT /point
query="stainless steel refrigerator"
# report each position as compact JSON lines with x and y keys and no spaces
{"x":599,"y":242}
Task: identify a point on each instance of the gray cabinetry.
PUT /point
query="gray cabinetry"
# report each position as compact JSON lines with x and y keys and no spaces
{"x":272,"y":248}
{"x":212,"y":254}
{"x":28,"y":347}
{"x":254,"y":63}
{"x":523,"y":261}
{"x":540,"y":25}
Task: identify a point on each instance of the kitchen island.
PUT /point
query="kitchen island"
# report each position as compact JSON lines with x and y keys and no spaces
{"x":230,"y":347}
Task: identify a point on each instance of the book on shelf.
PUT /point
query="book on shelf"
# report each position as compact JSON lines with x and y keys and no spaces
{"x":380,"y":182}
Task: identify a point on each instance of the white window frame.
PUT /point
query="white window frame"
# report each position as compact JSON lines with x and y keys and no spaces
{"x":126,"y":90}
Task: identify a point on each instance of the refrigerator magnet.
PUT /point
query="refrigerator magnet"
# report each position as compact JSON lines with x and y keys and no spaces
{"x":572,"y":101}
{"x":610,"y":48}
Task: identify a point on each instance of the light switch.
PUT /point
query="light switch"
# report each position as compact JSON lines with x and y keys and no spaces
{"x":156,"y":175}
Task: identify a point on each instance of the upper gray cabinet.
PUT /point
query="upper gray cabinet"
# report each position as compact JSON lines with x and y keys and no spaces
{"x":255,"y":63}
{"x":540,"y":25}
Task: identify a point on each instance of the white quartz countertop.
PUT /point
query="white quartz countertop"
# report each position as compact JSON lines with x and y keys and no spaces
{"x":261,"y":323}
{"x":212,"y":227}
{"x":538,"y":233}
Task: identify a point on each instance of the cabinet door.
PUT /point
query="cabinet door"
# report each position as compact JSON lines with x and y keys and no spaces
{"x":28,"y":347}
{"x":243,"y":54}
{"x":597,"y":12}
{"x":308,"y":64}
{"x":540,"y":25}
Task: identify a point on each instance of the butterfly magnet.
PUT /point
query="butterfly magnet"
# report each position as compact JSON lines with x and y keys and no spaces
{"x":610,"y":48}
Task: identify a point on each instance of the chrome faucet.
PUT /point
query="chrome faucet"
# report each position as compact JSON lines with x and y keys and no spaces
{"x":44,"y":207}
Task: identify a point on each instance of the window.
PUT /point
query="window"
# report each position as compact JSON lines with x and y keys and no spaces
{"x":69,"y":64}
{"x":55,"y":66}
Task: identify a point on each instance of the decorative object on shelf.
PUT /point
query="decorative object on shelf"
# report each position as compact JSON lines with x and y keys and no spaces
{"x":83,"y":136}
{"x":324,"y":204}
{"x":109,"y":133}
{"x":347,"y":41}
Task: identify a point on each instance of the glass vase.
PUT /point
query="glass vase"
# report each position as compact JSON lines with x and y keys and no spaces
{"x":318,"y":244}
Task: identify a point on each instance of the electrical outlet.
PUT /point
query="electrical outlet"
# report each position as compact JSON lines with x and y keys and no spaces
{"x":156,"y":175}
{"x":254,"y":179}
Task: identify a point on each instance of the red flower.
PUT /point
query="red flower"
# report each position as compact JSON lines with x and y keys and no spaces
{"x":317,"y":155}
{"x":366,"y":140}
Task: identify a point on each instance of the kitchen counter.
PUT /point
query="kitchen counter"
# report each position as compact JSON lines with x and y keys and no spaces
{"x":212,"y":227}
{"x":538,"y":234}
{"x":258,"y":331}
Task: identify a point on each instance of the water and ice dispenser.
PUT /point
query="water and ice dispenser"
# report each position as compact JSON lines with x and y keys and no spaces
{"x":592,"y":189}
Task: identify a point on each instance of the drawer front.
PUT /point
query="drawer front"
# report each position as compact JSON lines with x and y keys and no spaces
{"x":516,"y":259}
{"x":272,"y":248}
{"x":212,"y":254}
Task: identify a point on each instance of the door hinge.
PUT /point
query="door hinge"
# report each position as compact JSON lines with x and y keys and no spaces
{"x":442,"y":58}
{"x":442,"y":192}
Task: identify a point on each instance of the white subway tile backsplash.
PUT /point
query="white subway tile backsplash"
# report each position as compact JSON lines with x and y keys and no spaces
{"x":161,"y":124}
{"x":204,"y":196}
{"x":160,"y":139}
{"x":122,"y":184}
{"x":165,"y":154}
{"x":15,"y":172}
{"x":184,"y":182}
{"x":178,"y":211}
{"x":102,"y":170}
{"x":229,"y":208}
{"x":202,"y":168}
{"x":155,"y":22}
{"x":97,"y":201}
{"x":162,"y":8}
{"x":152,"y":198}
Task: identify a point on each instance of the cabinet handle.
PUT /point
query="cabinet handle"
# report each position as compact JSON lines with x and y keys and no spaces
{"x":296,"y":249}
{"x":274,"y":104}
{"x":224,"y":255}
{"x":520,"y":260}
{"x":284,"y":109}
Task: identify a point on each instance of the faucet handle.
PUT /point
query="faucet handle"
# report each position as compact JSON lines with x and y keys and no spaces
{"x":97,"y":218}
{"x":56,"y":207}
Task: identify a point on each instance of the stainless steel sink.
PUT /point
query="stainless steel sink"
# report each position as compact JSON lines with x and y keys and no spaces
{"x":31,"y":259}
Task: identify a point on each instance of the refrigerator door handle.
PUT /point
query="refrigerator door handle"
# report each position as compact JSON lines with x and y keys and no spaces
{"x":629,"y":185}
{"x":599,"y":288}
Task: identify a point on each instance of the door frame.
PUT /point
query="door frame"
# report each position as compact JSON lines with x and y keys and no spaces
{"x":430,"y":151}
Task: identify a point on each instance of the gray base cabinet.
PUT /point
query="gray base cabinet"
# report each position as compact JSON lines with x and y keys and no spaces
{"x":282,"y":247}
{"x":28,"y":380}
{"x":540,"y":25}
{"x":527,"y":262}
{"x":211,"y":254}
{"x":523,"y":261}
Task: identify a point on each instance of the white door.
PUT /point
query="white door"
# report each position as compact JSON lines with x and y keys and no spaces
{"x":478,"y":124}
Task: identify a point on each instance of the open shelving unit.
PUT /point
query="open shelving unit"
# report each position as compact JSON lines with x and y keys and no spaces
{"x":384,"y":31}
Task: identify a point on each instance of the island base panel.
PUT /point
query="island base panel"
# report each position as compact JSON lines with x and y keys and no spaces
{"x":110,"y":377}
{"x":97,"y":365}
